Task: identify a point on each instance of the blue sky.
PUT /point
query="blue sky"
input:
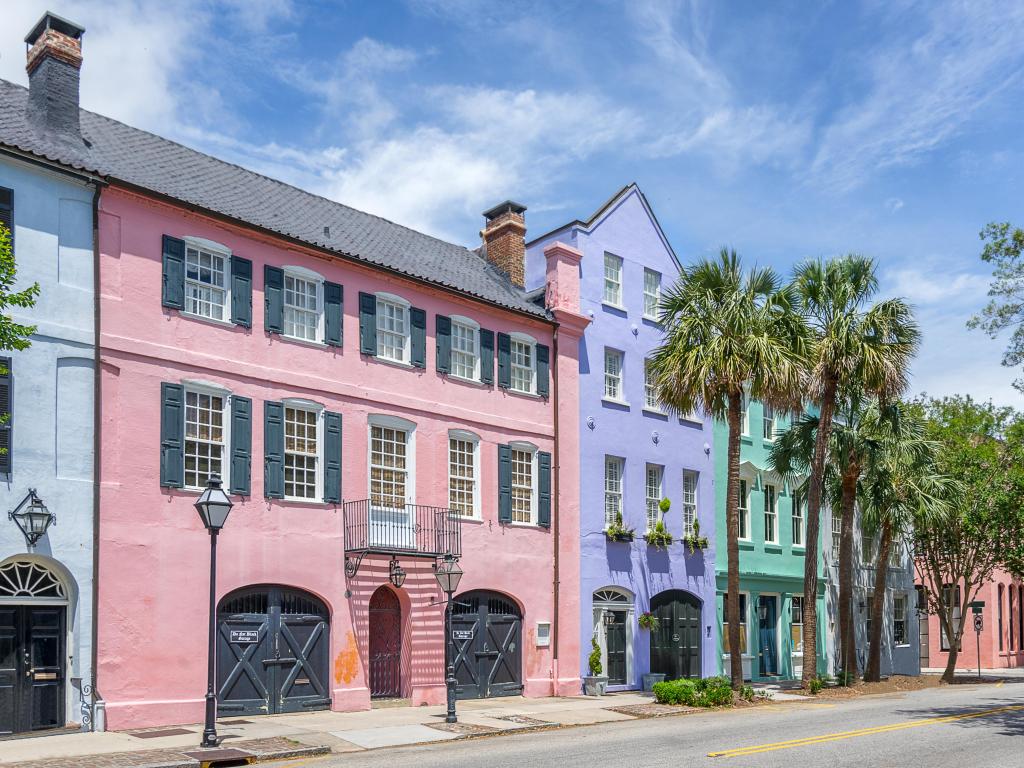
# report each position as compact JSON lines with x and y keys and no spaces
{"x":786,"y":130}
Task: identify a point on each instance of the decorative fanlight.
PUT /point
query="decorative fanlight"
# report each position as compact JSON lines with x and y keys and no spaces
{"x":32,"y":517}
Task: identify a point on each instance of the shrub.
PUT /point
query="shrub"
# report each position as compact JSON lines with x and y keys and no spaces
{"x":706,"y":692}
{"x":747,"y":693}
{"x":594,"y":660}
{"x":819,"y":682}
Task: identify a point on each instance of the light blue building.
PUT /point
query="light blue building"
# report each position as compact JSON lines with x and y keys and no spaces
{"x":46,"y":586}
{"x":633,"y":453}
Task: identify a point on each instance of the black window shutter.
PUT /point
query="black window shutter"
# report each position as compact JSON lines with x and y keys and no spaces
{"x":332,"y":457}
{"x":367,"y":324}
{"x":504,"y":360}
{"x":172,"y":435}
{"x":486,"y":356}
{"x":241,"y":445}
{"x":273,"y":450}
{"x":7,"y":212}
{"x":6,"y":415}
{"x":334,"y":303}
{"x":174,"y":273}
{"x":241,"y":291}
{"x":418,"y":340}
{"x":273,"y":299}
{"x":543,"y":355}
{"x":544,"y":489}
{"x":504,"y":484}
{"x":444,"y":344}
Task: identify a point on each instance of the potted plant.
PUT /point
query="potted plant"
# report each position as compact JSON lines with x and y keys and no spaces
{"x":595,"y":684}
{"x":648,"y":621}
{"x":659,"y":536}
{"x":617,"y":531}
{"x":650,"y":679}
{"x":695,"y":541}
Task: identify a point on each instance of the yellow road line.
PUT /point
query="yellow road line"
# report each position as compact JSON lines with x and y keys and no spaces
{"x":1000,"y":684}
{"x":811,"y":740}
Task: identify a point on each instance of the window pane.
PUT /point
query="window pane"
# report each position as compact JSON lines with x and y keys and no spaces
{"x":651,"y":401}
{"x":612,"y":279}
{"x":301,"y":308}
{"x":770,"y":516}
{"x":689,"y":501}
{"x":655,"y":475}
{"x":461,"y":476}
{"x":652,"y":292}
{"x":204,"y":438}
{"x":798,"y":521}
{"x":613,"y":374}
{"x":464,"y":353}
{"x":205,"y":293}
{"x":388,"y":472}
{"x":522,"y":366}
{"x":612,"y":489}
{"x":301,"y":453}
{"x":522,"y":486}
{"x":392,"y":330}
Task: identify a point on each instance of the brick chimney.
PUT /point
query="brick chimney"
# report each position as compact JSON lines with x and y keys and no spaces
{"x":504,"y":236}
{"x":54,"y":59}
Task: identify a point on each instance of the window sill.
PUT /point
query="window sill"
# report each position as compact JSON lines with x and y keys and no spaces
{"x":767,"y":443}
{"x":520,"y":393}
{"x":769,"y":547}
{"x":745,"y":544}
{"x":616,"y":307}
{"x":464,"y":380}
{"x":696,"y":420}
{"x":395,"y":363}
{"x":209,"y":320}
{"x":475,"y":520}
{"x":651,"y":319}
{"x":308,"y":502}
{"x":303,"y":342}
{"x":613,"y":401}
{"x":521,"y":525}
{"x":654,"y":412}
{"x":799,"y":549}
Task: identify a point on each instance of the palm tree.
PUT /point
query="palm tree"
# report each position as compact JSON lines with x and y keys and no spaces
{"x":900,"y":484}
{"x":729,"y":333}
{"x":853,"y":345}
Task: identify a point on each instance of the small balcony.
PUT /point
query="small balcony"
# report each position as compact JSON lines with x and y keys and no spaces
{"x":410,"y":530}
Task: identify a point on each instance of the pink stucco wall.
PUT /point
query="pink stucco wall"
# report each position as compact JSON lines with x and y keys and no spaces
{"x":153,"y":549}
{"x":992,"y":656}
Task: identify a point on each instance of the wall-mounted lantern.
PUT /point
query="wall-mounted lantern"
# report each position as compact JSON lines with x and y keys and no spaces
{"x":32,"y":517}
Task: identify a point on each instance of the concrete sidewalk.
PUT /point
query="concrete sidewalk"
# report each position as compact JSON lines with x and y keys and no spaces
{"x":385,"y":726}
{"x":1016,"y":673}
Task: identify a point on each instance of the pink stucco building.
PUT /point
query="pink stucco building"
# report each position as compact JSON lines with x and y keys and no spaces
{"x":352,"y":381}
{"x":1002,"y":633}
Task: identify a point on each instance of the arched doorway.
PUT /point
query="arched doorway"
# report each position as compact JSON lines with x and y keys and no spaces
{"x":487,"y":628}
{"x":675,"y":644}
{"x":385,"y":644}
{"x":273,"y":651}
{"x":613,"y":611}
{"x":33,"y":626}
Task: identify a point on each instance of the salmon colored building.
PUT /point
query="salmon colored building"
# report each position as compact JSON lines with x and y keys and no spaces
{"x":1000,"y":643}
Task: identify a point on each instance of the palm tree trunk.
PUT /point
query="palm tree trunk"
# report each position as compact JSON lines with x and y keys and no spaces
{"x":873,"y":670}
{"x":732,"y":534}
{"x":847,"y":643}
{"x":813,"y":556}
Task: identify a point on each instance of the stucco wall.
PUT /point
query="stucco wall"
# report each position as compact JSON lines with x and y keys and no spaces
{"x":633,"y":434}
{"x":52,"y":413}
{"x":155,"y":552}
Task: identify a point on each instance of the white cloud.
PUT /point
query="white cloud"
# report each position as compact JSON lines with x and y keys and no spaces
{"x":893,"y":204}
{"x":924,"y":86}
{"x":936,"y":285}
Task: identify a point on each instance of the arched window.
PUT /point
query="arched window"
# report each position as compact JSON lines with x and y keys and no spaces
{"x":26,"y":579}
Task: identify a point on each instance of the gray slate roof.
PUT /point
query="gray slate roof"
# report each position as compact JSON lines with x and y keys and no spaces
{"x":119,"y":152}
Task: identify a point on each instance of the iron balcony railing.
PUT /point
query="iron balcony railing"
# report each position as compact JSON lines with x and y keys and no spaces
{"x":412,"y":530}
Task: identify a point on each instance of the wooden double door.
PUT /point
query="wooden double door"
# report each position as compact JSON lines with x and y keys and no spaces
{"x":676,"y":643}
{"x":487,"y":632}
{"x":32,"y":667}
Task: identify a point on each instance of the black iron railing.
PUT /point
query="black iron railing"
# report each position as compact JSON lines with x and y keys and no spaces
{"x":410,"y":530}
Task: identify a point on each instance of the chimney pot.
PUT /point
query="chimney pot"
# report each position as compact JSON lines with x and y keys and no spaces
{"x":504,"y":239}
{"x":53,"y":60}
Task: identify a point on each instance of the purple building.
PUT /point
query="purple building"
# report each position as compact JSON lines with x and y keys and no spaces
{"x":634,"y":455}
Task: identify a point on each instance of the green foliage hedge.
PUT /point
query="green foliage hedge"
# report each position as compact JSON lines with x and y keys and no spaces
{"x":706,"y":692}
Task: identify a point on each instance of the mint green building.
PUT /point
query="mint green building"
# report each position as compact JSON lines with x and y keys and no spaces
{"x":772,"y":550}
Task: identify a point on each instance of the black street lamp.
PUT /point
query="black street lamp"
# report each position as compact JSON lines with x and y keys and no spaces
{"x":448,"y":575}
{"x":32,"y":517}
{"x":213,"y":507}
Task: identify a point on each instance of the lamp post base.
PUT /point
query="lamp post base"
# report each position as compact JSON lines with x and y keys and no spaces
{"x":450,"y":686}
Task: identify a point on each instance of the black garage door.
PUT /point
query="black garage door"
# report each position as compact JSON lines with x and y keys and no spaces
{"x":675,"y":644}
{"x":272,"y":652}
{"x":488,"y":629}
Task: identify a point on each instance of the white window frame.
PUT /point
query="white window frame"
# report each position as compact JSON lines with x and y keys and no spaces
{"x":744,"y":625}
{"x":744,"y":509}
{"x":219,"y":251}
{"x":691,"y":495}
{"x":309,"y":276}
{"x":868,"y":549}
{"x":770,"y":492}
{"x":614,"y":489}
{"x":896,"y":554}
{"x":465,"y":323}
{"x":745,"y":415}
{"x":534,"y":471}
{"x":651,"y":402}
{"x":474,"y":439}
{"x":531,"y":343}
{"x":619,"y":378}
{"x":837,"y":534}
{"x":208,"y":388}
{"x":900,"y":599}
{"x":389,"y":299}
{"x":650,"y":297}
{"x":796,"y":619}
{"x":798,"y":522}
{"x":768,"y":422}
{"x":612,"y":292}
{"x":318,"y":409}
{"x":653,"y":503}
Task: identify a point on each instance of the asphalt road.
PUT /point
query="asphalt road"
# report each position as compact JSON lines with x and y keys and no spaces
{"x":973,"y":726}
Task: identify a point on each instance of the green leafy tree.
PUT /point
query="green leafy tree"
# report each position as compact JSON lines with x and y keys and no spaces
{"x":13,"y":336}
{"x":1004,"y":245}
{"x":982,"y":446}
{"x":729,"y":333}
{"x":856,"y":346}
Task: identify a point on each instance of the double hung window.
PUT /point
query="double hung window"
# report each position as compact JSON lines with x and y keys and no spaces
{"x":899,"y":619}
{"x":462,"y":475}
{"x":205,"y":438}
{"x":742,"y":619}
{"x":798,"y":520}
{"x":523,"y":371}
{"x":392,"y":330}
{"x":613,"y":279}
{"x":796,"y":624}
{"x":465,"y":352}
{"x":651,"y":402}
{"x":771,"y":516}
{"x":613,"y":374}
{"x":612,"y":489}
{"x":744,"y":510}
{"x":301,"y":452}
{"x":302,"y":308}
{"x":768,"y":422}
{"x":205,"y":283}
{"x":655,"y":476}
{"x":689,"y":501}
{"x":652,"y":293}
{"x":524,"y":493}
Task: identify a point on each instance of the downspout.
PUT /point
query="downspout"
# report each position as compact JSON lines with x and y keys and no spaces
{"x":91,"y":696}
{"x":555,"y":523}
